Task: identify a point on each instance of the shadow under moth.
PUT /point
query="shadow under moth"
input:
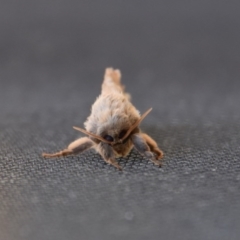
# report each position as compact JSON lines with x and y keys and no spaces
{"x":112,"y":128}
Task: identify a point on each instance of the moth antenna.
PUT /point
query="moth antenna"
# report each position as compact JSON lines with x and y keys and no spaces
{"x":136,"y":124}
{"x":91,"y":134}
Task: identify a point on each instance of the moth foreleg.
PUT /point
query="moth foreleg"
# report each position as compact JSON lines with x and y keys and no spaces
{"x":106,"y":151}
{"x":75,"y":147}
{"x":141,"y":145}
{"x":153,"y":145}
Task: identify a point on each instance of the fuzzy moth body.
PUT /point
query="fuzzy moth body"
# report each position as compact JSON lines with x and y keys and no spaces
{"x":113,"y":126}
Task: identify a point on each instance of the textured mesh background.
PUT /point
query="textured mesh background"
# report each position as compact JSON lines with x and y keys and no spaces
{"x":180,"y":58}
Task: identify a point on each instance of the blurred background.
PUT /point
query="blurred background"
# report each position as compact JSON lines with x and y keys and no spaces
{"x":162,"y":48}
{"x":180,"y":57}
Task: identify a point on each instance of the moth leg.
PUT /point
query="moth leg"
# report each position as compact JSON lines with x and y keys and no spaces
{"x":106,"y":151}
{"x":153,"y":146}
{"x":141,"y":145}
{"x":75,"y":147}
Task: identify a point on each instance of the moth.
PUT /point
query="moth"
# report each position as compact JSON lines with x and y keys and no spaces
{"x":112,"y":128}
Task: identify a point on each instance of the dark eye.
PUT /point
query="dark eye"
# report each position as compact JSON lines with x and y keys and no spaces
{"x":108,"y":138}
{"x":122,"y":134}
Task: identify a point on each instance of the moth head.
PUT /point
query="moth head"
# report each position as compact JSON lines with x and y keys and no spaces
{"x":122,"y":134}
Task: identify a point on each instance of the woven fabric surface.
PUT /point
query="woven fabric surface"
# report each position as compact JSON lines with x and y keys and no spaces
{"x":178,"y":57}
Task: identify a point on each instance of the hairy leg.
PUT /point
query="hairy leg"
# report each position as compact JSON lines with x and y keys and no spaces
{"x":106,"y":151}
{"x":141,"y":145}
{"x":152,"y":145}
{"x":75,"y":147}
